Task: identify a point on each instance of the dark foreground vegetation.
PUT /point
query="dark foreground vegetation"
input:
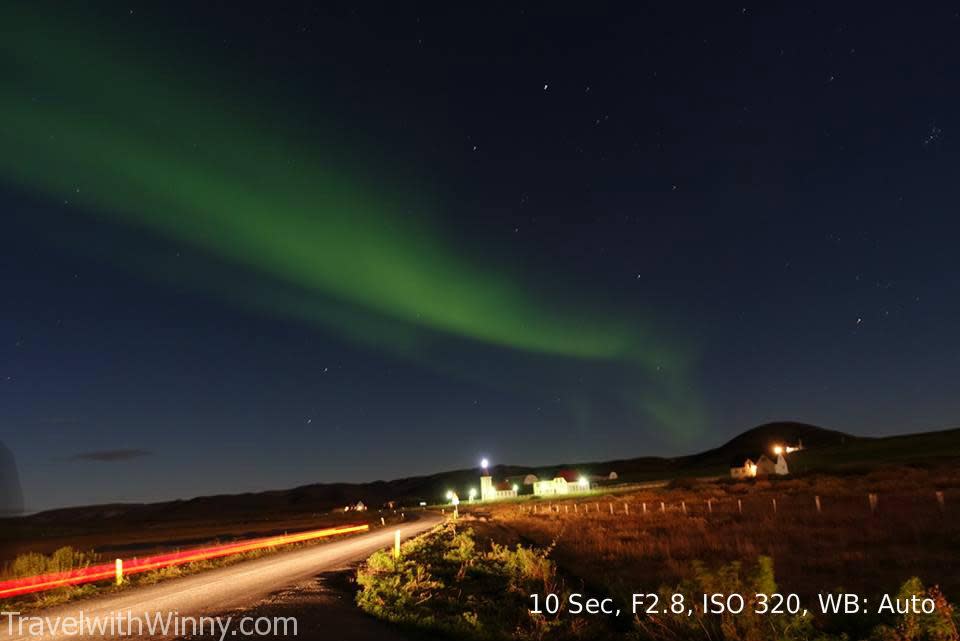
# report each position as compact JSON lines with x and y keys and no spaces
{"x":691,"y":538}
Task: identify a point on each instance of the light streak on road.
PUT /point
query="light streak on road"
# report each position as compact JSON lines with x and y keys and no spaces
{"x":107,"y":571}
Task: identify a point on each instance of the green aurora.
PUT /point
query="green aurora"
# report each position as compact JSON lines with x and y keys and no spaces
{"x":95,"y":122}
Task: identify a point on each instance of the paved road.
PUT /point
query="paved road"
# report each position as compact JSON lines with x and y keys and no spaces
{"x":218,"y":590}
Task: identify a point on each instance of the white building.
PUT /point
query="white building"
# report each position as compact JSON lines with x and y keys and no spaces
{"x":486,"y":488}
{"x":745,"y":468}
{"x":504,"y":490}
{"x":557,"y":485}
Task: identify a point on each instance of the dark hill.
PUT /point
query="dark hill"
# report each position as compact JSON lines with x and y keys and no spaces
{"x":824,"y":450}
{"x":760,"y":439}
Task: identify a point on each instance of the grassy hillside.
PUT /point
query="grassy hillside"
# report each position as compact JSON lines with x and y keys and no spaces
{"x":925,"y":448}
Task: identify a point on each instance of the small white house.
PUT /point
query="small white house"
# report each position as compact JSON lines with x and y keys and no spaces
{"x":781,"y":467}
{"x":743,"y":468}
{"x":557,"y":485}
{"x":504,"y":490}
{"x":769,"y":467}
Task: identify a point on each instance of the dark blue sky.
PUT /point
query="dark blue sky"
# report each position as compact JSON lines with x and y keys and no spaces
{"x":776,"y":188}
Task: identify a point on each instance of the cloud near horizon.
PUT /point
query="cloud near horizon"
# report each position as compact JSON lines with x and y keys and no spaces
{"x":111,"y":456}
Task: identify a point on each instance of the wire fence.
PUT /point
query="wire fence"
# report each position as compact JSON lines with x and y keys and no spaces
{"x":871,"y":503}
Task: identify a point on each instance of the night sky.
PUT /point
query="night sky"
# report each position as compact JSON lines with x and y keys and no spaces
{"x":252,"y":247}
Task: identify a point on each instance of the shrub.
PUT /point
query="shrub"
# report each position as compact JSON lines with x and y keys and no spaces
{"x":731,"y":578}
{"x":63,"y":559}
{"x":443,"y":583}
{"x":939,"y":625}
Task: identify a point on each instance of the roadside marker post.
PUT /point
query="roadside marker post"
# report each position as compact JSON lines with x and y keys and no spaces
{"x":873,"y":502}
{"x":816,"y":500}
{"x":396,"y":544}
{"x":119,"y":571}
{"x":940,"y":500}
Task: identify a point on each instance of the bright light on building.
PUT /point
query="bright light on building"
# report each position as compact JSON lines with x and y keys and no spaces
{"x":516,"y":488}
{"x":778,"y":449}
{"x":584,"y":482}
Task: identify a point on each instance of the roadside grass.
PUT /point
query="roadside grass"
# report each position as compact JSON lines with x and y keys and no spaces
{"x":445,"y":583}
{"x":68,"y":558}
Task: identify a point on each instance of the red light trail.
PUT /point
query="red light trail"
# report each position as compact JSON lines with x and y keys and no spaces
{"x":40,"y":583}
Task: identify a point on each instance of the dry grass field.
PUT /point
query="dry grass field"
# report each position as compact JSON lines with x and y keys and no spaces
{"x":120,"y":537}
{"x":846,"y":545}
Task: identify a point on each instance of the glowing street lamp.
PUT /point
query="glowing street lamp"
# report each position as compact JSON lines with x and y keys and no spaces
{"x":584,"y":482}
{"x":516,"y":488}
{"x":473,"y":493}
{"x":778,"y":449}
{"x":484,"y":463}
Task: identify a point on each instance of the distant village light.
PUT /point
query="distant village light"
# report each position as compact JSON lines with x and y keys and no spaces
{"x":473,"y":493}
{"x":778,"y":449}
{"x":584,"y":482}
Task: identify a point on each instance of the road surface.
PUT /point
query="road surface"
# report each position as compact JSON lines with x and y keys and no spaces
{"x":212,"y":591}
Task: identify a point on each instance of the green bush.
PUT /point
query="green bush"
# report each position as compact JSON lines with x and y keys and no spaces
{"x":443,"y":583}
{"x":939,"y":625}
{"x":63,"y":559}
{"x":732,"y":578}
